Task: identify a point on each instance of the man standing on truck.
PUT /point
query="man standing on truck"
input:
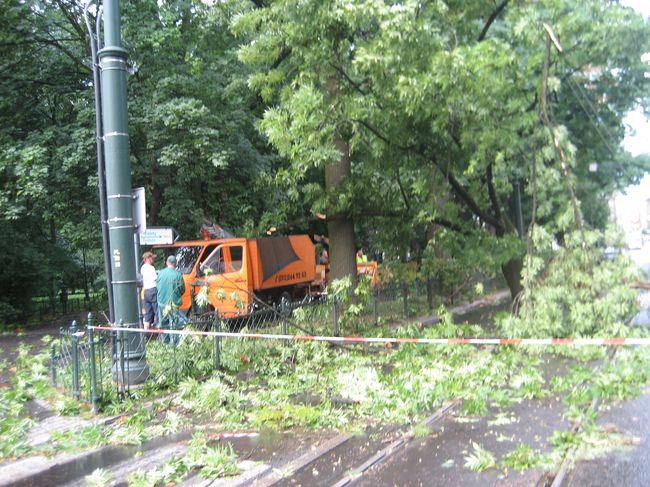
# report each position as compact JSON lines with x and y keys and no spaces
{"x":150,"y":298}
{"x":170,"y":291}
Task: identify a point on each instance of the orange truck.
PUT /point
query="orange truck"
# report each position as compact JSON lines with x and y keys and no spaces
{"x":240,"y":272}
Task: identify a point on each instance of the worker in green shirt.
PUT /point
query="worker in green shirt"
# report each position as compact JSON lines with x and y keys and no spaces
{"x":170,"y":291}
{"x":361,"y":257}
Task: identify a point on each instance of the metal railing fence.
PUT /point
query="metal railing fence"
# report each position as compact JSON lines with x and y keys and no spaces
{"x":97,"y":366}
{"x":45,"y":307}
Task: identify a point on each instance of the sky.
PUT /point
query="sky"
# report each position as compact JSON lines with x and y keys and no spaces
{"x":637,"y":125}
{"x":641,"y":6}
{"x":631,"y":206}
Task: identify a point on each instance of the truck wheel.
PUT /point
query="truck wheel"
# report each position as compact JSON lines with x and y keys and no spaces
{"x":284,"y":305}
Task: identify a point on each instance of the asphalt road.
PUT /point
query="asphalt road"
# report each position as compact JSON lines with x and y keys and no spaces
{"x":627,"y":467}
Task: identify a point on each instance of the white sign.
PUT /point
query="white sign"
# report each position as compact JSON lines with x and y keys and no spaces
{"x":157,"y":236}
{"x":139,"y":210}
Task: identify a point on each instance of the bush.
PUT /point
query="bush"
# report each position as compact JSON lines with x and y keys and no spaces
{"x":9,"y":316}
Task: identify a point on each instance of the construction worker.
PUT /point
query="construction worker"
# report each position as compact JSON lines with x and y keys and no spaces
{"x":170,"y":291}
{"x":149,"y":286}
{"x":361,"y":257}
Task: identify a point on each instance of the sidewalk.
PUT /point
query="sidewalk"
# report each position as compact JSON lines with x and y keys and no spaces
{"x":626,"y":467}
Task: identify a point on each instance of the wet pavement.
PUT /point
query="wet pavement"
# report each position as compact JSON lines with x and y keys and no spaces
{"x":439,"y":458}
{"x":333,"y":465}
{"x":270,"y":449}
{"x":626,"y":467}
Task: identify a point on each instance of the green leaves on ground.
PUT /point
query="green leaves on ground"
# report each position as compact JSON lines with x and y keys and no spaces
{"x":30,"y":380}
{"x":211,"y":462}
{"x":479,"y":459}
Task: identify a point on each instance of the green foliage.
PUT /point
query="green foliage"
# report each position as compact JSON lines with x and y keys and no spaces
{"x":618,"y":379}
{"x":315,"y":385}
{"x":192,"y":356}
{"x":192,"y":122}
{"x":67,"y":406}
{"x":80,"y":439}
{"x":30,"y":380}
{"x":480,"y":459}
{"x":351,"y":300}
{"x":211,"y":463}
{"x":577,"y":293}
{"x":210,"y":397}
{"x":440,"y":110}
{"x":521,"y":458}
{"x":12,"y":427}
{"x":99,"y":478}
{"x":528,"y":383}
{"x":421,"y":430}
{"x":289,"y":416}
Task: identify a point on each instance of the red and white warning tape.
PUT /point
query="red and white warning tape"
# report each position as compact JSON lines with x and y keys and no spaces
{"x":425,"y":341}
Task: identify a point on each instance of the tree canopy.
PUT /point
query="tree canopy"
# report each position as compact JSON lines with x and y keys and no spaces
{"x":445,"y":105}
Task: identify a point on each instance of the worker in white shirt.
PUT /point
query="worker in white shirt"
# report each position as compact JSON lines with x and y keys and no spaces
{"x":149,"y":286}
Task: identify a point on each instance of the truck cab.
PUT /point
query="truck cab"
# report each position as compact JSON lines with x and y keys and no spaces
{"x":221,"y":265}
{"x":237,"y":272}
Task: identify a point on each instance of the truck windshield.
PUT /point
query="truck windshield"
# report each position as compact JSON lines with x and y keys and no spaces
{"x":185,"y":257}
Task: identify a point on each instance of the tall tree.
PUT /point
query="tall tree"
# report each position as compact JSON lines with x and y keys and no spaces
{"x":193,"y":139}
{"x":45,"y":163}
{"x":192,"y":117}
{"x":442,"y":107}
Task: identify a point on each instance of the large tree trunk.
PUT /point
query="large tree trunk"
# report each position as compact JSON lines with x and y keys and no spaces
{"x":512,"y":272}
{"x":340,"y":227}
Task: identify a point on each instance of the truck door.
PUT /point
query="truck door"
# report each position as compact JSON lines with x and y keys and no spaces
{"x":224,"y":270}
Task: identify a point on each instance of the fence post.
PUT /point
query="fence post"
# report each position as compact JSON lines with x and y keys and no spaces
{"x":53,"y":363}
{"x":121,"y":338}
{"x":375,"y":306}
{"x":335,"y":313}
{"x":75,"y":360}
{"x":127,"y":362}
{"x":430,"y":293}
{"x":101,"y":342}
{"x":113,"y":351}
{"x":405,"y":298}
{"x":93,"y":372}
{"x":174,"y":342}
{"x":216,"y":326}
{"x":284,"y":328}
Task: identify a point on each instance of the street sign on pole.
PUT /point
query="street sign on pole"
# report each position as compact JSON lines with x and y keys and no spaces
{"x":139,"y":210}
{"x":157,"y":236}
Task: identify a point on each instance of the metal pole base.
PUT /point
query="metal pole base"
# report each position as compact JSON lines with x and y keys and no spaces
{"x":135,"y":372}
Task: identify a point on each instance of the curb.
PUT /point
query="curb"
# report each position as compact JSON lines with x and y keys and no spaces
{"x":561,"y":477}
{"x":395,"y":446}
{"x":303,"y":460}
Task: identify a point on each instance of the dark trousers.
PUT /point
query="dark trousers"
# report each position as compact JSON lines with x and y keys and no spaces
{"x":151,"y":305}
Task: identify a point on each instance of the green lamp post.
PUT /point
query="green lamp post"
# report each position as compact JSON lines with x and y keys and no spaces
{"x":112,"y":61}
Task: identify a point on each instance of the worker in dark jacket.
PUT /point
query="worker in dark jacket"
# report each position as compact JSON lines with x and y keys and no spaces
{"x":170,"y":291}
